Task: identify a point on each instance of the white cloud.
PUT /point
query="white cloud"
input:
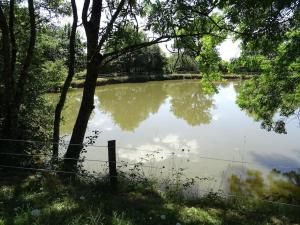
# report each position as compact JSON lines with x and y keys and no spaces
{"x":216,"y":117}
{"x":171,"y":138}
{"x":156,"y":139}
{"x":193,"y":144}
{"x":162,"y":149}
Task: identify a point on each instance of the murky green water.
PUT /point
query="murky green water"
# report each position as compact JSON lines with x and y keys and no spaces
{"x":187,"y":128}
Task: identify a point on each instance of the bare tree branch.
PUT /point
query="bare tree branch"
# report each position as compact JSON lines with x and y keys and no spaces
{"x":110,"y":25}
{"x":113,"y":55}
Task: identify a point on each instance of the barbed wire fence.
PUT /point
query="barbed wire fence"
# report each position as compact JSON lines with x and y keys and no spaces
{"x":112,"y":164}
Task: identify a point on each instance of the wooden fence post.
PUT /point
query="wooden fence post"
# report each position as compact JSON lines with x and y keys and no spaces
{"x":112,"y":163}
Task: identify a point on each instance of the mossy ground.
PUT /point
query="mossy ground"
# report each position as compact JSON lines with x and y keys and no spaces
{"x":44,"y":199}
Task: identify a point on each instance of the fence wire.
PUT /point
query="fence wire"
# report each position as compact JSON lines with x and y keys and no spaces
{"x":51,"y":142}
{"x":220,"y":193}
{"x":124,"y":164}
{"x":132,"y":149}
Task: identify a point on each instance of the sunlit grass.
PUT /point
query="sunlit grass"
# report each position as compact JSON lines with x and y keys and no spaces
{"x":39,"y":200}
{"x":6,"y":192}
{"x":194,"y":215}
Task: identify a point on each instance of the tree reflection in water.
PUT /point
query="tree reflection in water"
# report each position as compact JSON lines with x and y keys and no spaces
{"x":71,"y":108}
{"x":130,"y":104}
{"x":190,"y":103}
{"x":277,"y":186}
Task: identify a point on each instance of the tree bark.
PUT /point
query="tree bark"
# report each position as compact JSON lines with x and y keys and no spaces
{"x":64,"y":91}
{"x":86,"y":108}
{"x":27,"y":61}
{"x":12,"y":35}
{"x":14,"y":96}
{"x":87,"y":104}
{"x":7,"y":73}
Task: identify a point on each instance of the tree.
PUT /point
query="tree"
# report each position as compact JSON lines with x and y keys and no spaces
{"x":261,"y":24}
{"x":224,"y":67}
{"x":202,"y":51}
{"x":146,"y":60}
{"x":182,"y":63}
{"x":67,"y":83}
{"x":29,"y":59}
{"x":209,"y":58}
{"x":14,"y":89}
{"x":102,"y":19}
{"x":247,"y":64}
{"x":271,"y":29}
{"x":209,"y":61}
{"x":277,"y":90}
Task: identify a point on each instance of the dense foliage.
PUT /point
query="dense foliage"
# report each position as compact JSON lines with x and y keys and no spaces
{"x":149,"y":60}
{"x":247,"y":64}
{"x":277,"y":90}
{"x":270,"y":30}
{"x":124,"y":37}
{"x":46,"y":71}
{"x":182,"y":63}
{"x":38,"y":54}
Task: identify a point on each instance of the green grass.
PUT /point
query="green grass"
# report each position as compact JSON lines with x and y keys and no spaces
{"x":46,"y":200}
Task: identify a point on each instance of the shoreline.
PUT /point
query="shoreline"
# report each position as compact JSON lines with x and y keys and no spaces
{"x":107,"y":80}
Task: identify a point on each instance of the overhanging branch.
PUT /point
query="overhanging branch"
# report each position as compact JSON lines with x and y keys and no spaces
{"x":114,"y":55}
{"x":110,"y":25}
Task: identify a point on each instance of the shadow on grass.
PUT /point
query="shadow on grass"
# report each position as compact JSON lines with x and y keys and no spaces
{"x":43,"y":199}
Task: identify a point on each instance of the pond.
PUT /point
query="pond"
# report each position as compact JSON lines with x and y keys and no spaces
{"x":173,"y":126}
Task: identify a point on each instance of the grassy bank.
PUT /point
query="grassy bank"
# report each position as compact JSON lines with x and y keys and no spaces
{"x":105,"y":80}
{"x":44,"y":199}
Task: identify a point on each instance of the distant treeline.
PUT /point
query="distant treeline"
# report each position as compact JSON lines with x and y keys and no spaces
{"x":183,"y":59}
{"x":153,"y":60}
{"x":147,"y":60}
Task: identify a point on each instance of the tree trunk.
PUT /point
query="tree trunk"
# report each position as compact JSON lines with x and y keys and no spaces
{"x":14,"y":98}
{"x":12,"y":35}
{"x":27,"y":61}
{"x":86,"y":108}
{"x":7,"y":73}
{"x":61,"y":102}
{"x":87,"y":103}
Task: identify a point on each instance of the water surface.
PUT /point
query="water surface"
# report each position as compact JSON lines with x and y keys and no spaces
{"x":206,"y":135}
